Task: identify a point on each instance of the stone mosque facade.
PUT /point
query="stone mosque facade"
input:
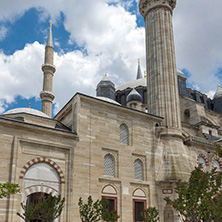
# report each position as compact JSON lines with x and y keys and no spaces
{"x":129,"y":144}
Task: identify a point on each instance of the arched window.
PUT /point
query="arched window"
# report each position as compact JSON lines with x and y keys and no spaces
{"x":201,"y":161}
{"x":216,"y":164}
{"x":124,"y":134}
{"x":109,"y":165}
{"x":138,"y":169}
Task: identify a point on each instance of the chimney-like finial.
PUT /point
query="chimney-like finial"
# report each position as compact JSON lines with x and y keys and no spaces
{"x":50,"y":23}
{"x":219,"y":85}
{"x":106,"y":74}
{"x":138,"y":61}
{"x":29,"y":105}
{"x":144,"y":74}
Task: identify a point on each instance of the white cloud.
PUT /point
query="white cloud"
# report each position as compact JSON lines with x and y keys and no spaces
{"x":197,"y":28}
{"x":113,"y":42}
{"x":109,"y":35}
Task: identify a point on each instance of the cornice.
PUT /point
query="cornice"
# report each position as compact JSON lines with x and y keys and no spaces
{"x":147,"y":6}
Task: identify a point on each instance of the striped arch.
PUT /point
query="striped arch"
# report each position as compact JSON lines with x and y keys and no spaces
{"x":42,"y":160}
{"x":40,"y":189}
{"x":217,"y":159}
{"x":204,"y":157}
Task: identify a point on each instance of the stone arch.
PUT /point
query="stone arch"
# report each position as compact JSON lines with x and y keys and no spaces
{"x":109,"y":189}
{"x":204,"y":157}
{"x":217,"y":159}
{"x":39,"y":188}
{"x":42,"y":160}
{"x":139,"y":193}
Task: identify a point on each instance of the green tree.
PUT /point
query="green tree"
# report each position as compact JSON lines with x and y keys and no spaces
{"x":150,"y":215}
{"x":46,"y":210}
{"x":95,"y":211}
{"x":109,"y":216}
{"x":199,"y":199}
{"x":8,"y":188}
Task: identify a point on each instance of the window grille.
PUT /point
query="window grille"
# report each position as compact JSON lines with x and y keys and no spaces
{"x":109,"y":165}
{"x":124,"y":134}
{"x":138,"y":169}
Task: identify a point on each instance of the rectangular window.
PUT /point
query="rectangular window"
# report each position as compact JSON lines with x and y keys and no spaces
{"x":139,"y":206}
{"x":112,"y":203}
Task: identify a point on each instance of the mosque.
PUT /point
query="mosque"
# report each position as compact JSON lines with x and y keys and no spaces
{"x":129,"y":144}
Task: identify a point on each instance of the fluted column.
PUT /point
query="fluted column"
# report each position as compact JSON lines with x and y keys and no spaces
{"x":162,"y":86}
{"x":48,"y":69}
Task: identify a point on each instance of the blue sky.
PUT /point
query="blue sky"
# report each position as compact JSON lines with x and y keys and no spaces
{"x":94,"y":37}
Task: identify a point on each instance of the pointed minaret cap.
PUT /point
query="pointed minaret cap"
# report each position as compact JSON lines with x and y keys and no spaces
{"x":139,"y":73}
{"x":218,"y":93}
{"x":50,"y":41}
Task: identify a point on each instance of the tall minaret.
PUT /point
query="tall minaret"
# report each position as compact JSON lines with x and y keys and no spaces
{"x":162,"y":86}
{"x":48,"y":69}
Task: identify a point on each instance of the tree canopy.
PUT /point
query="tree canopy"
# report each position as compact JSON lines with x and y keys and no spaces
{"x":8,"y":188}
{"x":199,"y":199}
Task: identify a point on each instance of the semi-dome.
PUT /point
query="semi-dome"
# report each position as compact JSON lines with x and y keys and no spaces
{"x":218,"y":93}
{"x":134,"y":96}
{"x":180,"y":73}
{"x":26,"y":110}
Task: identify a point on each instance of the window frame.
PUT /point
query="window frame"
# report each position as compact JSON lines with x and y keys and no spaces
{"x":142,"y":164}
{"x":121,"y":131}
{"x":114,"y":165}
{"x":134,"y":207}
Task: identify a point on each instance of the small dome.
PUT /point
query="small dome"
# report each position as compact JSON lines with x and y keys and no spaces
{"x":218,"y":93}
{"x":105,"y":82}
{"x":180,"y":73}
{"x":26,"y":110}
{"x":134,"y":96}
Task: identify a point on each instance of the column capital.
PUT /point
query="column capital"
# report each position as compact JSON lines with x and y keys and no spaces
{"x":146,"y":6}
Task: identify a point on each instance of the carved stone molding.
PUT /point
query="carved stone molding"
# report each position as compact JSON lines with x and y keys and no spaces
{"x":146,"y":6}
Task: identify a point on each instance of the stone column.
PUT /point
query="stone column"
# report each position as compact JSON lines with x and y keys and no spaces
{"x":162,"y":86}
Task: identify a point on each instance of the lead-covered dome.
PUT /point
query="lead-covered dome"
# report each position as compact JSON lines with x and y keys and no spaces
{"x":218,"y":93}
{"x":180,"y":73}
{"x":26,"y":110}
{"x":105,"y":82}
{"x":134,"y":96}
{"x":106,"y":88}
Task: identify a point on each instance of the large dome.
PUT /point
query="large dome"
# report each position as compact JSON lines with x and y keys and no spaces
{"x":26,"y":110}
{"x":132,"y":84}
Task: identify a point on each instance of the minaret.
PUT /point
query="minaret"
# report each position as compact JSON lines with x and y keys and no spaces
{"x":139,"y":73}
{"x":48,"y":69}
{"x":162,"y":86}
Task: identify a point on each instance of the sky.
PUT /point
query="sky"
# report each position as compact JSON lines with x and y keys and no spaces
{"x":92,"y":37}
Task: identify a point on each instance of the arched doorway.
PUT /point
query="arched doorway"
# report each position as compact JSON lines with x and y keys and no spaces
{"x":40,"y":180}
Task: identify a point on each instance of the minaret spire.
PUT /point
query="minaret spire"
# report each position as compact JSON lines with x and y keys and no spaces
{"x":48,"y":69}
{"x":139,"y":73}
{"x":50,"y":40}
